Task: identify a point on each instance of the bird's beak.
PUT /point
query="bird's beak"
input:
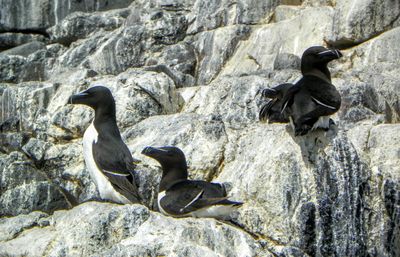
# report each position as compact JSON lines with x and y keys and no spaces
{"x":330,"y":54}
{"x":269,"y":93}
{"x":77,"y":99}
{"x":152,"y":152}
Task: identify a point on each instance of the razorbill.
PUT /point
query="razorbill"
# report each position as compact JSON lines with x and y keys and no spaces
{"x":272,"y":110}
{"x":313,"y":98}
{"x":180,"y":197}
{"x":107,"y":158}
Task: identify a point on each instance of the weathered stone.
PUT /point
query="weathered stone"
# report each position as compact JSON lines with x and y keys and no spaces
{"x":38,"y":15}
{"x":25,"y":189}
{"x":25,"y":49}
{"x":202,"y":138}
{"x":79,"y":25}
{"x":10,"y":40}
{"x":292,"y":36}
{"x":358,"y":21}
{"x":118,"y":230}
{"x":215,"y":48}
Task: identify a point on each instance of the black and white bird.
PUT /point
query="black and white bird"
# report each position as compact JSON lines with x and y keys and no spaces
{"x":271,"y":112}
{"x":311,"y":101}
{"x":107,"y":158}
{"x":180,"y":197}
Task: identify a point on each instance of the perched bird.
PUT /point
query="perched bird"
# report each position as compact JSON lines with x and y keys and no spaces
{"x":180,"y":197}
{"x":107,"y":158}
{"x":272,"y":111}
{"x":313,"y":98}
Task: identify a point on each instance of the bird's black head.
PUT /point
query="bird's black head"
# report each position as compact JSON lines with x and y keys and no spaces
{"x":170,"y":156}
{"x":94,"y":97}
{"x":317,"y":58}
{"x":173,"y":163}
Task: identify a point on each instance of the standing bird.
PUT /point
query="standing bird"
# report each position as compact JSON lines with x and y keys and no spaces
{"x":272,"y":111}
{"x":313,"y":98}
{"x":180,"y":197}
{"x":107,"y":158}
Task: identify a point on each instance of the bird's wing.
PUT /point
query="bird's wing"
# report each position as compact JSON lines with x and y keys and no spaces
{"x":323,"y":93}
{"x":188,"y":196}
{"x":287,"y":99}
{"x":116,"y":163}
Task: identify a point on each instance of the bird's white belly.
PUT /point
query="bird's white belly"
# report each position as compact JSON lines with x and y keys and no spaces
{"x":214,"y":211}
{"x":106,"y":190}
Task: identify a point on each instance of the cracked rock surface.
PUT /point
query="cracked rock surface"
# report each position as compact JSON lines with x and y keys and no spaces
{"x":189,"y":73}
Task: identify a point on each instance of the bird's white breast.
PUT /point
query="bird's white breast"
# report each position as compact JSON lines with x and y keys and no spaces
{"x":106,"y":190}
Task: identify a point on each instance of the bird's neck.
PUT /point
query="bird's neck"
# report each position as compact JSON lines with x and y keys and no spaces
{"x":105,"y":119}
{"x":172,"y":175}
{"x":320,"y":71}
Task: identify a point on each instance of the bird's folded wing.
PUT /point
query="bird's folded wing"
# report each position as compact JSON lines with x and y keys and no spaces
{"x":186,"y":198}
{"x":124,"y":185}
{"x":118,"y":167}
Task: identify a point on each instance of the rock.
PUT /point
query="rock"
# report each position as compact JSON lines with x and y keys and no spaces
{"x":357,"y":21}
{"x":376,"y":82}
{"x":117,"y":230}
{"x":209,"y":16}
{"x":234,"y":100}
{"x":10,"y":40}
{"x":25,"y":189}
{"x":25,"y":49}
{"x":215,"y":48}
{"x":317,"y":183}
{"x":202,"y":139}
{"x":79,"y":25}
{"x":189,"y":73}
{"x":37,"y":16}
{"x":292,"y":36}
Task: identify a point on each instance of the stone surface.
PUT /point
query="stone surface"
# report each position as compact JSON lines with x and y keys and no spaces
{"x":94,"y":229}
{"x":189,"y":73}
{"x":38,"y":15}
{"x":358,"y":21}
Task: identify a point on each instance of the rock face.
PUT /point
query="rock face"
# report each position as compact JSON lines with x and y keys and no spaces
{"x":189,"y":73}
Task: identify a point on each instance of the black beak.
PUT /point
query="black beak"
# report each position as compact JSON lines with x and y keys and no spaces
{"x":78,"y":98}
{"x":330,"y":54}
{"x":153,"y":152}
{"x":269,"y":93}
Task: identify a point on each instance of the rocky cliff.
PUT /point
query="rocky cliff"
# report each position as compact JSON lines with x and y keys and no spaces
{"x":189,"y":73}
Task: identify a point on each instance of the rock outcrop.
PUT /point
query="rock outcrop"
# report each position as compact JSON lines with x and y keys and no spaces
{"x":189,"y":73}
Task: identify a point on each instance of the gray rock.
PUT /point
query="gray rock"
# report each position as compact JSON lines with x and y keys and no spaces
{"x":10,"y":40}
{"x":202,"y":138}
{"x":94,"y":229}
{"x":79,"y":25}
{"x":357,"y":21}
{"x":292,"y":36}
{"x":25,"y":49}
{"x":37,"y":16}
{"x":24,"y":188}
{"x":215,"y":48}
{"x":189,"y":73}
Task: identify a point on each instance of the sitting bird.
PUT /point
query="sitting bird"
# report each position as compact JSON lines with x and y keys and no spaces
{"x":311,"y":101}
{"x":180,"y":197}
{"x":271,"y":112}
{"x":107,"y":158}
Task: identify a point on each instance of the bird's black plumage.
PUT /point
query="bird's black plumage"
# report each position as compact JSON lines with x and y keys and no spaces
{"x":313,"y":96}
{"x":183,"y":197}
{"x":112,"y":157}
{"x":272,"y":110}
